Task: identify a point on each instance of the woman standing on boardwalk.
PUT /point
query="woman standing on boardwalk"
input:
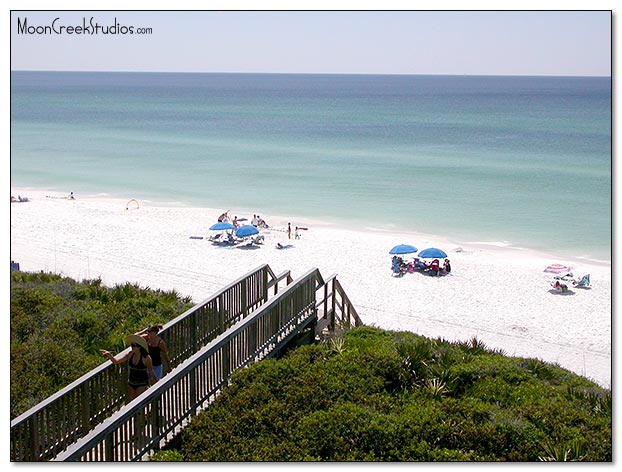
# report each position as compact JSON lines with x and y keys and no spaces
{"x":140,"y":372}
{"x":157,"y":349}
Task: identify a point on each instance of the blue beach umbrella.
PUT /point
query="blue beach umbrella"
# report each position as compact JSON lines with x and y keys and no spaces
{"x":244,"y":231}
{"x":403,"y":249}
{"x":221,"y":226}
{"x":432,"y":253}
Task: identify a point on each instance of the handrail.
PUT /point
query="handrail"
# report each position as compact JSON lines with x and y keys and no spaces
{"x":49,"y":427}
{"x":337,"y":310}
{"x":139,"y":427}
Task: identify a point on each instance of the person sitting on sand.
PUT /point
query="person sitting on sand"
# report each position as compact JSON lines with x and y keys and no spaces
{"x":559,"y":286}
{"x":447,"y":266}
{"x":71,"y":196}
{"x":434,"y":267}
{"x":419,"y":264}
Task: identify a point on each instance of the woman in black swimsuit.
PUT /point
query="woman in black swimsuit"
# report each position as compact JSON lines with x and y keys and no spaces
{"x":157,"y":349}
{"x":139,"y":366}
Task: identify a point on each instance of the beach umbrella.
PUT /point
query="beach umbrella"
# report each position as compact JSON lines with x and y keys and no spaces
{"x":432,"y":253}
{"x":246,"y":230}
{"x":557,"y":269}
{"x":403,"y":249}
{"x":221,"y":226}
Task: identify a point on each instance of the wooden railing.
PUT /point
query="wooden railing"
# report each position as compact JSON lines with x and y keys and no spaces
{"x":335,"y":307}
{"x":51,"y":426}
{"x":147,"y":421}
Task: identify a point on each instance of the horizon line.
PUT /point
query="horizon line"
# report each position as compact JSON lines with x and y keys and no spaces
{"x":309,"y":73}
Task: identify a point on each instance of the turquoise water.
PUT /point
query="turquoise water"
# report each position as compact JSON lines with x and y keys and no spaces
{"x":524,"y":160}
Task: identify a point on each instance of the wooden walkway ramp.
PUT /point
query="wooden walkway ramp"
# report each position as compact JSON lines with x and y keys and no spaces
{"x":248,"y":320}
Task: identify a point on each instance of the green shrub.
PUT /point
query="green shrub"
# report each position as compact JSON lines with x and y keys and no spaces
{"x":377,"y":395}
{"x":58,"y":325}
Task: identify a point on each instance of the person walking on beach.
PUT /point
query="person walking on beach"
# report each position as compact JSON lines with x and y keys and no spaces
{"x":235,"y":222}
{"x":255,"y":221}
{"x":157,"y":349}
{"x":289,"y":231}
{"x":297,"y":233}
{"x":140,"y":374}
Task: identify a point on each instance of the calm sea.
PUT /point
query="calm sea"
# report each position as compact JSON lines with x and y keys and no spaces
{"x":523,"y":161}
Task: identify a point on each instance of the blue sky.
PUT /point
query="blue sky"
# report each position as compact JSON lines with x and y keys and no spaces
{"x":391,"y":42}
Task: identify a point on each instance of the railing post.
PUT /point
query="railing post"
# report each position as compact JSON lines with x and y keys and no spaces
{"x":33,"y":453}
{"x":193,"y":336}
{"x":226,"y":361}
{"x":276,"y":283}
{"x":333,"y":303}
{"x":244,"y":288}
{"x":221,"y":315}
{"x":193,"y":387}
{"x":325,"y":300}
{"x":155,"y":420}
{"x":109,"y":451}
{"x":85,"y":410}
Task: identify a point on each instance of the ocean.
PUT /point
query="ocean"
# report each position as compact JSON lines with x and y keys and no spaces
{"x":522,"y":162}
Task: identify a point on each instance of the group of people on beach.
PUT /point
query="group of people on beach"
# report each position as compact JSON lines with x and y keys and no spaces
{"x":296,"y":231}
{"x":144,"y":360}
{"x":21,"y":199}
{"x":400,"y":267}
{"x":257,"y":221}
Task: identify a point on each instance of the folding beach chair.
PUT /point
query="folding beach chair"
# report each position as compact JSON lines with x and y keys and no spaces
{"x":584,"y":282}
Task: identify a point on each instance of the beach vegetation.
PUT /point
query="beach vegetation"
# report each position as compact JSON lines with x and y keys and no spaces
{"x":365,"y":395}
{"x":58,"y":324}
{"x":375,"y":395}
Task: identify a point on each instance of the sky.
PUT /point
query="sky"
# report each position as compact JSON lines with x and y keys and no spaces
{"x":359,"y":42}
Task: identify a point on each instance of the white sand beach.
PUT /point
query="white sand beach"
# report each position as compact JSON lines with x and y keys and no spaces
{"x":499,"y":295}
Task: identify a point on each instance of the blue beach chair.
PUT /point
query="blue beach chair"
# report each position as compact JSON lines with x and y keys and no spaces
{"x":396,"y":268}
{"x":584,"y":282}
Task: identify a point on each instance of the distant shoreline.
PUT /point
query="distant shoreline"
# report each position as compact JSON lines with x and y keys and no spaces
{"x":496,"y":246}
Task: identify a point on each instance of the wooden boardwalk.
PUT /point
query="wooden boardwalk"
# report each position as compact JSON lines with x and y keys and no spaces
{"x":241,"y":324}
